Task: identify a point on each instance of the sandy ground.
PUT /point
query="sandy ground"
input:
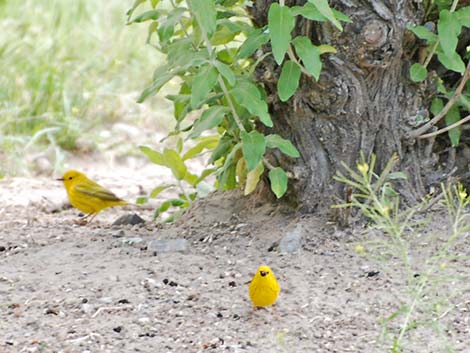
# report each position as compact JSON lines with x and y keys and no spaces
{"x":99,"y":288}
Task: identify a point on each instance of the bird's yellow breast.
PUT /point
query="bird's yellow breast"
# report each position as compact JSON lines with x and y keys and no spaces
{"x":264,"y":288}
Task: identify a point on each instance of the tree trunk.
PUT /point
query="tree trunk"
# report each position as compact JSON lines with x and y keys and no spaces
{"x":363,"y":101}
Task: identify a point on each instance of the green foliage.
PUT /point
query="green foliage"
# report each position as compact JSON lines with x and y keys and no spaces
{"x":209,"y":47}
{"x":188,"y":185}
{"x":65,"y":70}
{"x":449,"y":19}
{"x":394,"y":243}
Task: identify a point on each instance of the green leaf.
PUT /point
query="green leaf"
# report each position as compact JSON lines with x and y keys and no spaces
{"x":181,"y":54}
{"x":140,"y":200}
{"x":453,"y":62}
{"x":223,"y":35}
{"x":453,"y":116}
{"x":449,"y":29}
{"x":202,"y":85}
{"x":154,"y":3}
{"x":209,"y":119}
{"x":153,"y":156}
{"x":190,"y":178}
{"x":167,"y":26}
{"x":181,"y":101}
{"x":156,"y":191}
{"x":136,"y":4}
{"x":255,"y":40}
{"x":179,"y":145}
{"x":227,"y":174}
{"x":206,"y":15}
{"x":151,"y":30}
{"x":280,"y":24}
{"x":252,"y":178}
{"x":436,"y":106}
{"x":285,"y":146}
{"x":325,"y":10}
{"x":146,"y":16}
{"x":325,"y":48}
{"x":247,"y":95}
{"x":175,"y":163}
{"x":278,"y":179}
{"x":418,"y":72}
{"x":309,"y":54}
{"x":161,"y":76}
{"x":222,"y":148}
{"x":226,"y":72}
{"x":166,"y":205}
{"x":253,"y":147}
{"x":423,"y":33}
{"x":310,"y":12}
{"x":341,"y":16}
{"x":463,"y":14}
{"x":207,"y":142}
{"x":288,"y":81}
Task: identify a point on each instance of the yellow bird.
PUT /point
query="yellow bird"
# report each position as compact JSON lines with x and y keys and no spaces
{"x":88,"y":196}
{"x":264,"y":288}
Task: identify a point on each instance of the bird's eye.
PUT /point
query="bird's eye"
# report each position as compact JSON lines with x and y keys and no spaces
{"x":263,"y":273}
{"x":70,"y":178}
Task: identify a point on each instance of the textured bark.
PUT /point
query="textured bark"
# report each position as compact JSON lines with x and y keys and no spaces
{"x":363,"y":101}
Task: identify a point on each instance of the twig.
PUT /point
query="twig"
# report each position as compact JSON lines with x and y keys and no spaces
{"x":417,"y":132}
{"x":447,"y":128}
{"x":292,"y":57}
{"x":111,"y":308}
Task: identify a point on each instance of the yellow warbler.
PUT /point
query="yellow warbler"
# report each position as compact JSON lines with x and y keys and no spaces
{"x":264,"y":288}
{"x":88,"y":196}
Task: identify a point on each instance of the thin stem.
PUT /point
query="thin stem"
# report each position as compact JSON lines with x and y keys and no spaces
{"x":447,"y":128}
{"x":417,"y":132}
{"x":230,"y":103}
{"x":431,"y":53}
{"x":410,"y":311}
{"x":219,"y":78}
{"x":454,"y":5}
{"x":180,"y":22}
{"x":183,"y":190}
{"x":291,"y":55}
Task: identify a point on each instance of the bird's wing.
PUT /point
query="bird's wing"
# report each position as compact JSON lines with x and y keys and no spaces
{"x":95,"y":190}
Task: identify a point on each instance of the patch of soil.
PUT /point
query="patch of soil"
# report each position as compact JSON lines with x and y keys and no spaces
{"x":98,"y":288}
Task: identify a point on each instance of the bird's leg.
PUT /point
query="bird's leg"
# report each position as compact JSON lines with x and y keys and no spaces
{"x":93,"y":215}
{"x":84,"y":220}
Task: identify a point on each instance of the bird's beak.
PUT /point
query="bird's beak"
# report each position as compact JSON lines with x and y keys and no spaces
{"x":60,"y":179}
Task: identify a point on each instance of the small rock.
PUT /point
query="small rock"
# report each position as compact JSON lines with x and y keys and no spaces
{"x":87,"y":308}
{"x":130,"y":218}
{"x":106,"y":300}
{"x":168,"y":245}
{"x":119,"y":234}
{"x":292,"y":241}
{"x":132,"y":241}
{"x":143,"y":320}
{"x":117,"y":329}
{"x":372,"y":273}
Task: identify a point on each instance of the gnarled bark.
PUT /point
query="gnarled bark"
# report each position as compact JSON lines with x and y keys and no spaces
{"x":363,"y":101}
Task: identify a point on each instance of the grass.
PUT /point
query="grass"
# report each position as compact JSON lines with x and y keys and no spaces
{"x":68,"y":67}
{"x":428,"y":262}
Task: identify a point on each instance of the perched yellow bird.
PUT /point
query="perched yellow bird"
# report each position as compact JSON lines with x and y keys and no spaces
{"x":264,"y":288}
{"x":88,"y":196}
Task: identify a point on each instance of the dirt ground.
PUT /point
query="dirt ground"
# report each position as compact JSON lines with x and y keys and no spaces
{"x":98,"y":288}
